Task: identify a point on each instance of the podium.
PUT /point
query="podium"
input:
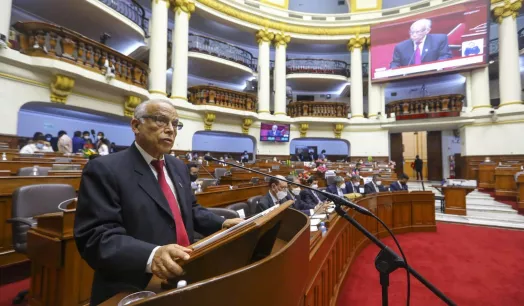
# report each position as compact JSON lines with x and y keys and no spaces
{"x":505,"y":185}
{"x":487,"y":175}
{"x":455,"y":197}
{"x":520,"y":190}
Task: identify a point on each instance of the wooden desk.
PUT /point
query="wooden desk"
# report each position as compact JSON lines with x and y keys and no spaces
{"x":223,"y":198}
{"x":13,"y":166}
{"x":505,"y":185}
{"x":486,"y":175}
{"x":520,"y":191}
{"x":455,"y":198}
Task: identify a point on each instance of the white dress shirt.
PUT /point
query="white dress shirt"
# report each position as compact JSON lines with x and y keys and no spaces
{"x":148,"y":158}
{"x":65,"y":144}
{"x":104,"y":150}
{"x":32,"y":149}
{"x":339,"y":191}
{"x":275,"y":200}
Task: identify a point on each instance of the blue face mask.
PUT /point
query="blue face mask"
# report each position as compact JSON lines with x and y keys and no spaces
{"x":40,"y":145}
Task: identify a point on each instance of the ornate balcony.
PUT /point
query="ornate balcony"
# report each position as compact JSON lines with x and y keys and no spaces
{"x":207,"y":45}
{"x":317,"y":66}
{"x":426,"y":107}
{"x":318,"y":109}
{"x":211,"y":95}
{"x":131,"y":10}
{"x":41,"y":39}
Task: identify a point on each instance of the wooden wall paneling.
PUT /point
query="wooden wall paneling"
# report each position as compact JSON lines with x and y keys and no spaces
{"x":423,"y":209}
{"x":434,"y":150}
{"x":396,"y":151}
{"x":385,"y":213}
{"x":401,"y":212}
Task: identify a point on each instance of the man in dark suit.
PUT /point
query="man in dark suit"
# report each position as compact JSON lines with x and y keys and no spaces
{"x":294,"y":194}
{"x":275,"y":196}
{"x":311,"y":198}
{"x":353,"y":186}
{"x":274,"y":132}
{"x":375,"y":186}
{"x":339,"y":187}
{"x":136,"y":213}
{"x":421,"y":47}
{"x":401,"y":184}
{"x":418,"y":167}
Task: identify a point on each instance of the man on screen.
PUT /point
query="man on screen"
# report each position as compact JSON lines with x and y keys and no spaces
{"x":274,"y":132}
{"x":421,"y":47}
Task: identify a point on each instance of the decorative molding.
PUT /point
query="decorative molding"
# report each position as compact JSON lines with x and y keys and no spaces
{"x":357,"y":42}
{"x":61,"y":87}
{"x":185,"y":6}
{"x":209,"y":119}
{"x":152,"y":91}
{"x":354,"y":8}
{"x":338,"y":130}
{"x":509,"y":103}
{"x":262,"y":111}
{"x":481,"y":106}
{"x":130,"y":104}
{"x":246,"y":124}
{"x":281,"y":39}
{"x":284,"y":5}
{"x":264,"y":35}
{"x":166,"y":1}
{"x":178,"y":98}
{"x":281,"y":26}
{"x":303,"y":129}
{"x":507,"y":9}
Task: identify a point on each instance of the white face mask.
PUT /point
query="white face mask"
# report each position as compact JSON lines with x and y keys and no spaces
{"x":99,"y":137}
{"x":296,"y":191}
{"x":342,"y":186}
{"x":314,"y":186}
{"x":281,"y":195}
{"x":378,"y":183}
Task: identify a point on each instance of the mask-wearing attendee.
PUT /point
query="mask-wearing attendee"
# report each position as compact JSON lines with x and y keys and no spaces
{"x":276,"y":195}
{"x":338,"y":187}
{"x":38,"y":144}
{"x":401,"y":184}
{"x":86,"y":135}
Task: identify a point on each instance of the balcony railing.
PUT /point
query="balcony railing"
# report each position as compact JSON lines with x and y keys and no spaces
{"x":426,"y":107}
{"x":211,"y":95}
{"x":51,"y":41}
{"x":321,"y":66}
{"x":131,"y":10}
{"x":318,"y":109}
{"x":207,"y":45}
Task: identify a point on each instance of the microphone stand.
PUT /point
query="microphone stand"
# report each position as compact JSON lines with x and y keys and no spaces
{"x":386,"y":261}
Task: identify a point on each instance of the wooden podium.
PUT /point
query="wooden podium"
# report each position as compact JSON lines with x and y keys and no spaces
{"x":520,"y":190}
{"x":487,"y":175}
{"x":455,"y":197}
{"x":505,"y":185}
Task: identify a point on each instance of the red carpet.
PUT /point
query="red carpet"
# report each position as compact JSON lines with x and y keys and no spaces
{"x":472,"y":265}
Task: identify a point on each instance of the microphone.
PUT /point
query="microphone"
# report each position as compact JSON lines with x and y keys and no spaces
{"x":333,"y":197}
{"x":412,"y":55}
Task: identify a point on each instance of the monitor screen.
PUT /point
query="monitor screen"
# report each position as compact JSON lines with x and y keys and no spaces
{"x":274,"y":132}
{"x":442,"y":40}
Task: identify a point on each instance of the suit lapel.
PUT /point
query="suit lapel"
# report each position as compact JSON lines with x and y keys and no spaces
{"x":179,"y":188}
{"x":426,"y":47}
{"x":147,"y":181}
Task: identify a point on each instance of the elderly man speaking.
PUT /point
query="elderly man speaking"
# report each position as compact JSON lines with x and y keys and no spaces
{"x":421,"y":47}
{"x":136,"y":213}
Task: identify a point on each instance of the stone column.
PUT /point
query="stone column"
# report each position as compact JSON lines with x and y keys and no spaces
{"x":357,"y":91}
{"x":280,"y":40}
{"x":182,"y":10}
{"x":509,"y":67}
{"x":264,"y":38}
{"x":480,"y":96}
{"x":374,"y":95}
{"x":5,"y":18}
{"x":158,"y":47}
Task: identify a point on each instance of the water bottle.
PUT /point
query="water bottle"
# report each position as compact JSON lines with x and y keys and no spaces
{"x":181,"y":283}
{"x":35,"y":170}
{"x":199,"y":188}
{"x":323,"y":229}
{"x":4,"y":156}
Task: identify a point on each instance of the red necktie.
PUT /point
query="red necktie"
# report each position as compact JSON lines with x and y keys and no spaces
{"x":418,"y":56}
{"x":181,"y":234}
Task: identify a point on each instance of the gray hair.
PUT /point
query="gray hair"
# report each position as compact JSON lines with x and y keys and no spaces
{"x":424,"y":22}
{"x":338,"y":179}
{"x":355,"y":177}
{"x":141,"y":109}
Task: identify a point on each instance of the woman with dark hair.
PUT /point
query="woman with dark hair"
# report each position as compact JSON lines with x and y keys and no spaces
{"x":102,"y":146}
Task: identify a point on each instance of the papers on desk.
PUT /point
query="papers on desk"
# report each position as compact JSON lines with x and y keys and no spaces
{"x":314,"y":222}
{"x":318,"y":216}
{"x":313,"y":229}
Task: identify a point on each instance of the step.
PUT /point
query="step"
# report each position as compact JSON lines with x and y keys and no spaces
{"x":478,"y":221}
{"x":496,"y":216}
{"x":491,"y":209}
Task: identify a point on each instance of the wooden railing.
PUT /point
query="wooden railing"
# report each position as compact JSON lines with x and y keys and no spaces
{"x":426,"y":107}
{"x":51,"y":41}
{"x":211,"y":95}
{"x":318,"y":109}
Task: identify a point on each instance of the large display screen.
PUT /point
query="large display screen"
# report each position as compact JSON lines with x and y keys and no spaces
{"x":274,"y":132}
{"x":451,"y":38}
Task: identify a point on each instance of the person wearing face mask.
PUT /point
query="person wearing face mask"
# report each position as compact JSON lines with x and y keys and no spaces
{"x":312,"y":198}
{"x":38,"y":145}
{"x":354,"y":185}
{"x":245,"y":157}
{"x":375,"y":186}
{"x":193,"y":175}
{"x":339,"y":187}
{"x":401,"y":184}
{"x":102,"y":144}
{"x":294,"y":194}
{"x":276,"y":195}
{"x":86,"y":135}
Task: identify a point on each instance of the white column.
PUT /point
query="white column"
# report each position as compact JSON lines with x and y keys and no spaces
{"x":264,"y":39}
{"x":5,"y":18}
{"x":179,"y":57}
{"x":480,"y":96}
{"x":374,"y":95}
{"x":281,"y":40}
{"x":158,"y":47}
{"x":509,"y":67}
{"x":357,"y":90}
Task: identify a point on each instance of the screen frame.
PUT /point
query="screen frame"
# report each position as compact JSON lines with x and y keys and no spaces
{"x":287,"y":125}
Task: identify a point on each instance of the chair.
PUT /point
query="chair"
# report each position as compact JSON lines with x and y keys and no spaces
{"x":30,"y":171}
{"x":66,"y":167}
{"x":220,"y":172}
{"x":224,"y":212}
{"x":252,"y":203}
{"x":29,"y":201}
{"x":241,"y":206}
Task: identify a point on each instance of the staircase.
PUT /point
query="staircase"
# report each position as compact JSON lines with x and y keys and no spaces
{"x":481,"y":209}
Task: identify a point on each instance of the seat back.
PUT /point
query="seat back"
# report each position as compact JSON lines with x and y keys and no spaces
{"x":34,"y":200}
{"x":241,"y":206}
{"x":330,"y":179}
{"x":224,"y":212}
{"x":30,"y":171}
{"x":66,"y":167}
{"x":220,"y":172}
{"x":252,"y":203}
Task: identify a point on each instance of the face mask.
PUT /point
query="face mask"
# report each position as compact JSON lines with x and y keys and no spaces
{"x":378,"y":183}
{"x":356,"y":184}
{"x":296,"y":191}
{"x":281,"y":195}
{"x":314,"y":186}
{"x":193,"y":177}
{"x":99,"y":137}
{"x":86,"y":137}
{"x":341,"y":186}
{"x":40,"y":145}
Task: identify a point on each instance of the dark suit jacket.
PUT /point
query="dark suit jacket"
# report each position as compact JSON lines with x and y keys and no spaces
{"x":369,"y":189}
{"x":122,"y":215}
{"x":418,"y":164}
{"x":299,"y":204}
{"x":309,"y":199}
{"x":265,"y":203}
{"x":333,"y":189}
{"x":395,"y":186}
{"x":351,"y":188}
{"x":277,"y":133}
{"x":436,"y":48}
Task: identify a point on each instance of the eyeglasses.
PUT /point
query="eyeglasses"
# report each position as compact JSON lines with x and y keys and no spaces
{"x":162,"y":121}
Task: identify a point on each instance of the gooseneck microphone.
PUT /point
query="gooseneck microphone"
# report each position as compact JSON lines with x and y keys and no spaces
{"x":333,"y":197}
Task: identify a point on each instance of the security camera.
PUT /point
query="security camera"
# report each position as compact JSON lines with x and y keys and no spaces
{"x":492,"y":112}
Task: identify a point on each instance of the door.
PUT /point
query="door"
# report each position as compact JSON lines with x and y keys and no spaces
{"x":396,"y":151}
{"x":434,"y":156}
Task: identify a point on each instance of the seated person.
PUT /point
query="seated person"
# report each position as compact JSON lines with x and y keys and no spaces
{"x":312,"y":198}
{"x":339,"y":187}
{"x":275,"y":196}
{"x":354,"y":185}
{"x":38,"y":145}
{"x":375,"y":186}
{"x":401,"y":184}
{"x":245,"y":157}
{"x":193,"y":174}
{"x":294,"y":194}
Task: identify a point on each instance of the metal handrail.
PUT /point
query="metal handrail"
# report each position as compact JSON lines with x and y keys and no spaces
{"x":132,"y":11}
{"x":208,"y":45}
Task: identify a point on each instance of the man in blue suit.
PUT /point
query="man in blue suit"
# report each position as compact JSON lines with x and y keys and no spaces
{"x":421,"y":47}
{"x":339,"y":187}
{"x":375,"y":186}
{"x":311,"y":198}
{"x":354,"y":185}
{"x":401,"y":184}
